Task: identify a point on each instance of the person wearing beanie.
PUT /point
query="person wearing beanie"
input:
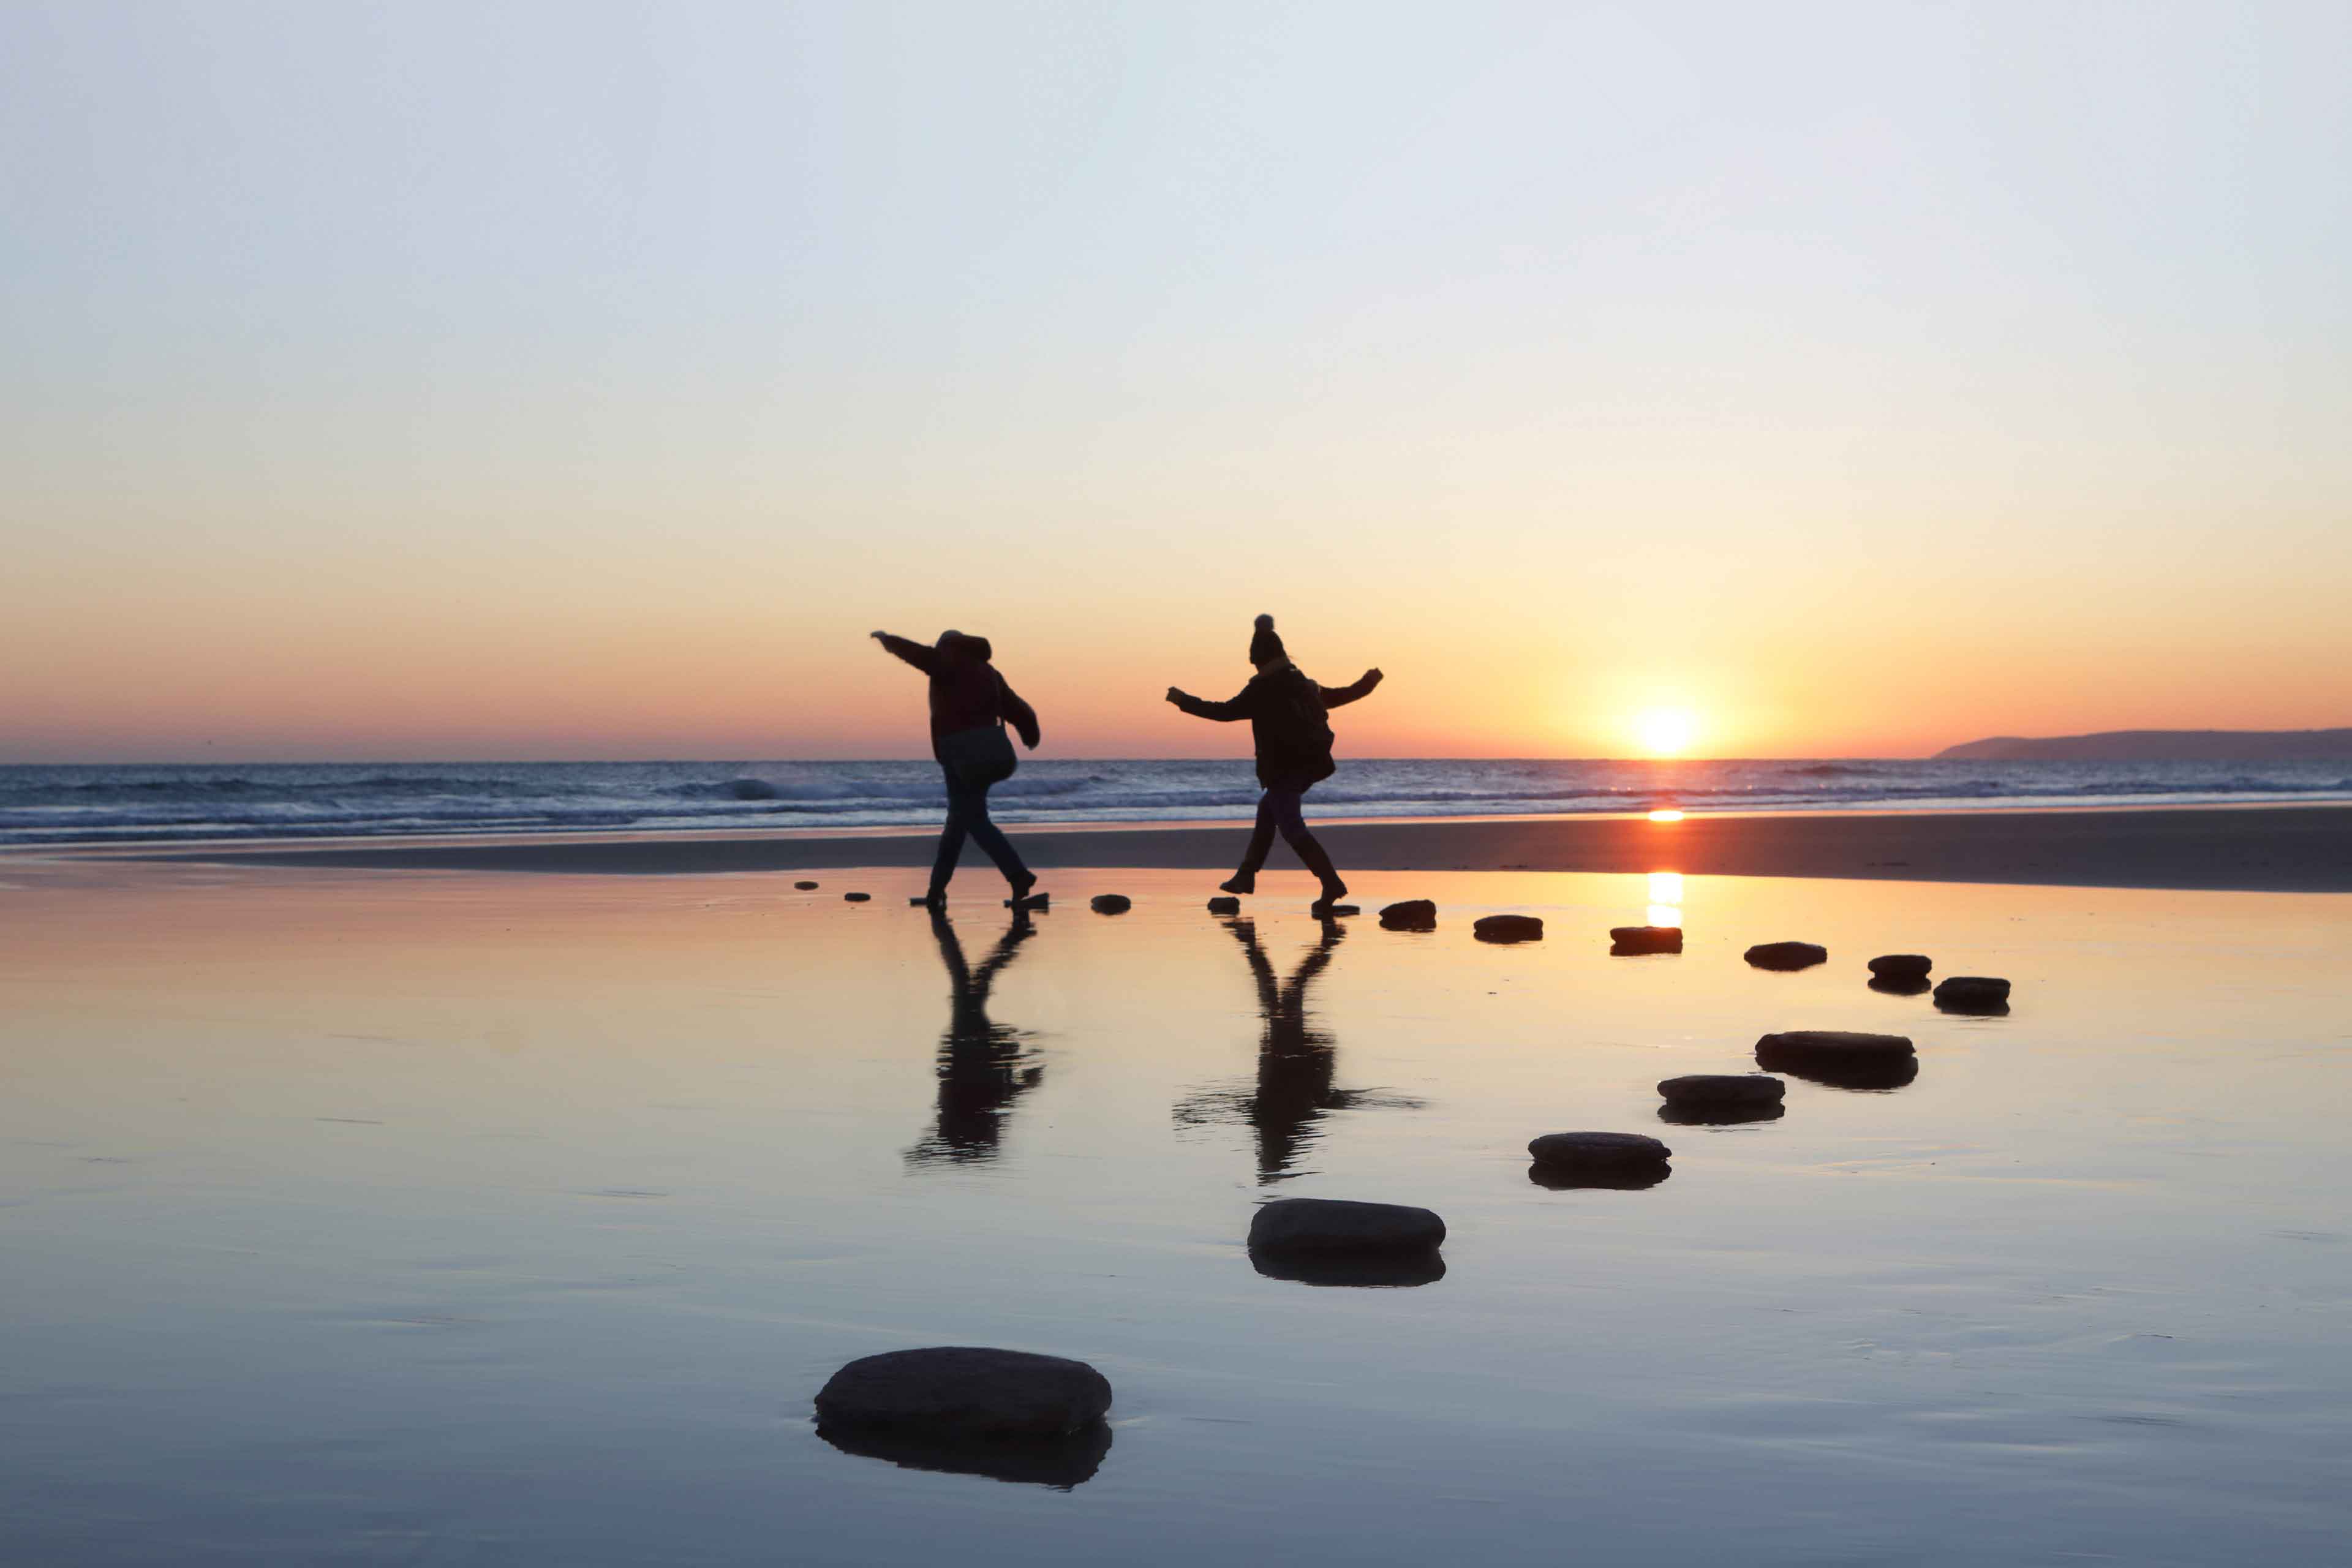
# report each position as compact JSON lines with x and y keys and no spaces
{"x":1293,"y":739}
{"x":971,"y":704}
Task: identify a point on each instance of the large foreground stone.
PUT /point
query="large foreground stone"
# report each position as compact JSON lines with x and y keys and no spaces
{"x":1901,"y":968}
{"x":1292,"y":1226}
{"x":1973,"y":993}
{"x":1787,"y":954}
{"x":1412,"y":914}
{"x":964,"y":1391}
{"x":1507,"y":927}
{"x":1110,"y":903}
{"x":1713,"y":1088}
{"x":1635,"y":941}
{"x":1611,"y":1150}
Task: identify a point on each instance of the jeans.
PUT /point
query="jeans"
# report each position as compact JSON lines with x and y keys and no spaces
{"x":1277,"y":810}
{"x":968,"y":814}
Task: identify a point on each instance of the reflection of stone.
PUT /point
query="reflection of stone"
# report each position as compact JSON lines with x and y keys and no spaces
{"x":1973,"y":993}
{"x":1057,"y":1462}
{"x":1720,"y":1115}
{"x":1507,"y":927}
{"x":1841,"y":1058}
{"x":964,"y":1391}
{"x":1635,"y":942}
{"x":1901,"y":968}
{"x":1898,"y":987}
{"x":1621,"y":1178}
{"x":1411,"y":914}
{"x":1375,"y":1268}
{"x":1293,"y":1225}
{"x":1110,"y":903}
{"x":1891,"y":1074}
{"x":1787,"y":955}
{"x":1720,"y":1089}
{"x":1596,"y":1151}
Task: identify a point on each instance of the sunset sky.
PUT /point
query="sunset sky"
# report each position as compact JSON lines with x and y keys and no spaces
{"x":425,"y":381}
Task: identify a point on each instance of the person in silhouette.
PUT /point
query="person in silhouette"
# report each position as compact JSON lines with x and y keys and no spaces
{"x":1297,"y":1063}
{"x":1293,"y":739}
{"x":983,"y":1066}
{"x":970,"y":705}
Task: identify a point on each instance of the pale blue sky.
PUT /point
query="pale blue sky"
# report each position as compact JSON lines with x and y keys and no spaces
{"x":518,"y":380}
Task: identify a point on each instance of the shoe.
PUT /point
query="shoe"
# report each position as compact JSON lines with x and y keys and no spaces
{"x":1239,"y":882}
{"x":1333,"y":891}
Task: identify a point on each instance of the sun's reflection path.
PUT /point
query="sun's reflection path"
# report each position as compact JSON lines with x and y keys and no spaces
{"x":1666,"y":899}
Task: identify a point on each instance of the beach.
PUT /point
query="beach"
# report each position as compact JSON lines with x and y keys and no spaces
{"x":2266,"y":848}
{"x":452,"y":1214}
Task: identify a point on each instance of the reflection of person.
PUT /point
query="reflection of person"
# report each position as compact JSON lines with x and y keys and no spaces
{"x":971,"y":704}
{"x":983,"y":1066}
{"x":1296,"y":1064}
{"x":1293,"y":740}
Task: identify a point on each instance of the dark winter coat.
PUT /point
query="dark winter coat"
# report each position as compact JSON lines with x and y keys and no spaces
{"x":967,"y":693}
{"x":1287,"y":724}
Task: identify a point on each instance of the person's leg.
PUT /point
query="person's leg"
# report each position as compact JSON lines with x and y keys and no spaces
{"x":951,"y":833}
{"x":1305,"y":845}
{"x":991,"y":839}
{"x":1244,"y":881}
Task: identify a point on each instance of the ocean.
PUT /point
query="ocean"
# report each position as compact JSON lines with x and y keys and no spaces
{"x":157,"y":804}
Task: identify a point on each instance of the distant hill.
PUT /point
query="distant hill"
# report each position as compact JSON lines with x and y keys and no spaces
{"x":2163,"y":746}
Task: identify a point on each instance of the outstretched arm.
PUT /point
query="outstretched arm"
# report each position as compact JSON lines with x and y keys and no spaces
{"x":923,"y":658}
{"x":1337,"y":695}
{"x":1223,"y":712}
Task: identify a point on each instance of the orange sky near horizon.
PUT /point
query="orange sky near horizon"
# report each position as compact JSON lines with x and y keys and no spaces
{"x":558,"y":383}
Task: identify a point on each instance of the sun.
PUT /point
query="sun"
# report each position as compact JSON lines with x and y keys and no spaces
{"x":1665,"y":732}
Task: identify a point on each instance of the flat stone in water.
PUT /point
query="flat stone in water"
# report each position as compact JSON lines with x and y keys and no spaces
{"x":1412,"y":914}
{"x":1972,"y":993}
{"x":1340,"y":1225}
{"x":1507,"y":927}
{"x":1834,"y":1049}
{"x":856,"y":898}
{"x":1635,"y":942}
{"x":963,"y":1390}
{"x":806,"y":886}
{"x":1110,"y":903}
{"x":1901,"y":968}
{"x":1610,"y":1150}
{"x":1224,"y":906}
{"x":1787,"y":955}
{"x":1722,"y":1088}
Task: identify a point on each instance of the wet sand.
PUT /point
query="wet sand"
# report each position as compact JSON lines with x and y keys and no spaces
{"x":2275,"y":849}
{"x":466,"y":1217}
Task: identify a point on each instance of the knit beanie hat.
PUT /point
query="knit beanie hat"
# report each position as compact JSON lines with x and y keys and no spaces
{"x":1265,"y":646}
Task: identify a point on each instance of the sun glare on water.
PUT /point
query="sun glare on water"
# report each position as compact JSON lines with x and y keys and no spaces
{"x":1665,"y":732}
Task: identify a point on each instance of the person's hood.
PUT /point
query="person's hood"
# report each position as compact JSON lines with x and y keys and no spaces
{"x":959,"y":644}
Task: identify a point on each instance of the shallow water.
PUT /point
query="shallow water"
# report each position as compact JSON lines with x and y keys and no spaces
{"x":452,"y":1219}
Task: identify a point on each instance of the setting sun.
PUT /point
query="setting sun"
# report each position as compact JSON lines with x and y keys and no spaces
{"x":1665,"y":732}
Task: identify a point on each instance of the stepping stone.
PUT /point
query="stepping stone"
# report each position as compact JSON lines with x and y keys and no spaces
{"x":1507,"y":927}
{"x":1901,"y":968}
{"x":965,"y":1390}
{"x":1060,"y":1463}
{"x":1224,"y":906}
{"x":1787,"y":955}
{"x":1333,"y":912}
{"x":1339,"y":1225}
{"x":1611,"y":1150}
{"x":1720,"y":1089}
{"x":1973,"y":993}
{"x":1635,"y":942}
{"x":1033,"y":901}
{"x":856,"y":898}
{"x":1831,"y":1047}
{"x":1110,"y":903}
{"x":806,"y":886}
{"x":1412,"y":914}
{"x":1360,"y":1270}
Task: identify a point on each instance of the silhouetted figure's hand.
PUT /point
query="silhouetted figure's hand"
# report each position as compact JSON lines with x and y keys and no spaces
{"x":877,"y":637}
{"x":1373,"y":677}
{"x":1174,"y":695}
